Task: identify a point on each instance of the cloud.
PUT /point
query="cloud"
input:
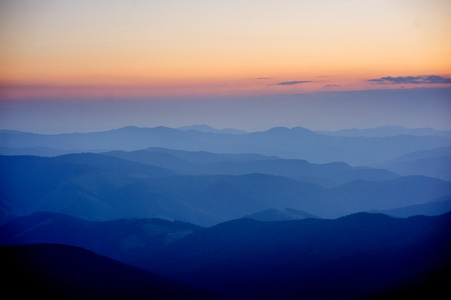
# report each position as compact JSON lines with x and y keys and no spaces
{"x":262,"y":78}
{"x":293,"y":82}
{"x":425,"y":79}
{"x":332,"y":85}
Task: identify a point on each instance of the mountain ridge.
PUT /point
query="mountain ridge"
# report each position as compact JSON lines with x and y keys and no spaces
{"x":296,"y":142}
{"x":85,"y":186}
{"x":120,"y":239}
{"x":206,"y":163}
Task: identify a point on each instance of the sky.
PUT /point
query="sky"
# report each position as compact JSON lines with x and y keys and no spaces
{"x":83,"y":65}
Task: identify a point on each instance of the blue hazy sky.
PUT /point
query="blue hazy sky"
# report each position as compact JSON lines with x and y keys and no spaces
{"x":412,"y":108}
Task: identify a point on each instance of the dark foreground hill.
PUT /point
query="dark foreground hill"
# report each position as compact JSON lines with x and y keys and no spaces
{"x":354,"y":257}
{"x":67,"y":272}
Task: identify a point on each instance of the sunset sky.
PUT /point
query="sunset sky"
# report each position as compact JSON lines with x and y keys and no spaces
{"x":61,"y":54}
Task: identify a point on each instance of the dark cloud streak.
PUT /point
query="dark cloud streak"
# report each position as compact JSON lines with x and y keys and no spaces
{"x":293,"y":82}
{"x":425,"y":79}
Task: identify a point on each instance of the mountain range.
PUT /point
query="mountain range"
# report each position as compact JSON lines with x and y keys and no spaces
{"x":205,"y":163}
{"x":206,"y":128}
{"x":295,"y":143}
{"x":201,"y":213}
{"x":103,"y":187}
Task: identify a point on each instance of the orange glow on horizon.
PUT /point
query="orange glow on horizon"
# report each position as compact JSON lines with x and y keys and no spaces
{"x":174,"y":49}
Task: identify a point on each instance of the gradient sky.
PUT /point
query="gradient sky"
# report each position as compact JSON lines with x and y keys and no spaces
{"x":58,"y":54}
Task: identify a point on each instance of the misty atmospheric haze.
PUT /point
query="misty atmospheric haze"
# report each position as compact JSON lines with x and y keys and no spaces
{"x":412,"y":108}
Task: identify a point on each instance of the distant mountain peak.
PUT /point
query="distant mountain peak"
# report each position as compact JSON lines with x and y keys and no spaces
{"x":279,"y":128}
{"x":129,"y":127}
{"x":209,"y":129}
{"x":285,"y":131}
{"x":302,"y":129}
